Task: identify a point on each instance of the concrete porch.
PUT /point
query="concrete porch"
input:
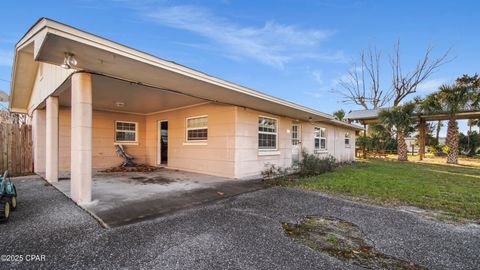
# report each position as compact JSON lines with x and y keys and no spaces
{"x":129,"y":197}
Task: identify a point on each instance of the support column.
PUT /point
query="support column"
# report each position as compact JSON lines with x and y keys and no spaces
{"x":421,"y":138}
{"x":38,"y":141}
{"x":81,"y":138}
{"x":51,"y":159}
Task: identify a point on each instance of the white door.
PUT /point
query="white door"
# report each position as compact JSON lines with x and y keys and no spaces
{"x":295,"y":143}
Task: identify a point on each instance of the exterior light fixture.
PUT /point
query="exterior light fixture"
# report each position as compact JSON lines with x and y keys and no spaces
{"x":119,"y":104}
{"x":69,"y":61}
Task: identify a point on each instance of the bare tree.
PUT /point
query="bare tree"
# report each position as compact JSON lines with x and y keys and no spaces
{"x":404,"y":84}
{"x":361,"y":85}
{"x":12,"y":118}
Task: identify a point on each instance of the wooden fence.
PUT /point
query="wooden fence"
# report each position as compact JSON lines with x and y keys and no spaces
{"x":16,"y":149}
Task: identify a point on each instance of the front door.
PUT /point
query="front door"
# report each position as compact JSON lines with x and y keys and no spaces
{"x":163,"y":142}
{"x":295,"y":143}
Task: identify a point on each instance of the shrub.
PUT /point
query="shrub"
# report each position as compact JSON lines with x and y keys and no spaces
{"x":311,"y":164}
{"x":272,"y":171}
{"x":445,"y":149}
{"x":436,"y":150}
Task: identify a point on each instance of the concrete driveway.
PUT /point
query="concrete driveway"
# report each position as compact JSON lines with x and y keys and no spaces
{"x":126,"y":197}
{"x":241,"y":232}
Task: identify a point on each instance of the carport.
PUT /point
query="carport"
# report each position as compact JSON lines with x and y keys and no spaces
{"x":86,"y":94}
{"x":120,"y":198}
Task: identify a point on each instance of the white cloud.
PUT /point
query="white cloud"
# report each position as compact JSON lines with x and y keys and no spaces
{"x":317,"y":76}
{"x":272,"y":43}
{"x":323,"y":87}
{"x":430,"y":85}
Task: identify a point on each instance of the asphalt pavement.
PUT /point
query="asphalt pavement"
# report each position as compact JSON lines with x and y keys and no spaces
{"x":240,"y":232}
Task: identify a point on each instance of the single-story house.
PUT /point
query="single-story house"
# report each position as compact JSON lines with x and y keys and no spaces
{"x":86,"y":93}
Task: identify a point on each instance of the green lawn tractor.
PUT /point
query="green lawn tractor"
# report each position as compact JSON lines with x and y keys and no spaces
{"x":8,"y":197}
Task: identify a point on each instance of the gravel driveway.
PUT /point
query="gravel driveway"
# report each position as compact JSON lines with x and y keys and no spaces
{"x":242,"y":232}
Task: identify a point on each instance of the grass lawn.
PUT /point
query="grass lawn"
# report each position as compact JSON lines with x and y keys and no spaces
{"x":454,"y":190}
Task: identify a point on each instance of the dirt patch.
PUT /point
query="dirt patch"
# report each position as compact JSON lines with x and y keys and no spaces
{"x":343,"y":240}
{"x":152,"y":180}
{"x":136,"y":168}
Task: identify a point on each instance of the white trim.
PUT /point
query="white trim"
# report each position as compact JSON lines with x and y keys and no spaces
{"x":196,"y":143}
{"x":197,"y":128}
{"x":268,"y":153}
{"x":265,"y":132}
{"x":349,"y":139}
{"x":320,"y":149}
{"x":126,"y":142}
{"x":299,"y":133}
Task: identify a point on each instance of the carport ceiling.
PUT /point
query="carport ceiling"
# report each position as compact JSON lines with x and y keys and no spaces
{"x":108,"y":92}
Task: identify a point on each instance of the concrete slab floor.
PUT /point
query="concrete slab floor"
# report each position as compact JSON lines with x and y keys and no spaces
{"x":124,"y":198}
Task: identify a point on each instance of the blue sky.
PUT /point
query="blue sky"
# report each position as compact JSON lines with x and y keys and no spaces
{"x":296,"y":50}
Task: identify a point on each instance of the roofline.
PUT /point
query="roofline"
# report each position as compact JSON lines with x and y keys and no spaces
{"x":346,"y":124}
{"x":433,"y":115}
{"x":147,"y":58}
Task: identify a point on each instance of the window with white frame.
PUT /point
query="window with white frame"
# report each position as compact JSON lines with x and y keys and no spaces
{"x":126,"y":132}
{"x":197,"y":129}
{"x":320,"y":136}
{"x":295,"y":139}
{"x":267,"y":133}
{"x":347,"y":139}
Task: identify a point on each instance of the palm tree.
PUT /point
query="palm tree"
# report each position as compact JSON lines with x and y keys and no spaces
{"x":339,"y":115}
{"x":450,"y":99}
{"x":399,"y":118}
{"x":476,"y":122}
{"x":437,"y":131}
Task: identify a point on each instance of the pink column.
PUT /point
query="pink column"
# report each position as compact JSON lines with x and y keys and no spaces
{"x":81,"y":138}
{"x":39,"y":139}
{"x":51,"y":144}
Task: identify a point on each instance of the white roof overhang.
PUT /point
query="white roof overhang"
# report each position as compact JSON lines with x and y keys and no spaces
{"x":48,"y":41}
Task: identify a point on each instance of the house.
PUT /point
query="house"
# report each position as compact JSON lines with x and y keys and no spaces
{"x":86,"y":93}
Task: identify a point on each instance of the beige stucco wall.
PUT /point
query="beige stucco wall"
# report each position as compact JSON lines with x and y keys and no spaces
{"x":335,"y":141}
{"x":250,"y":161}
{"x":231,"y":150}
{"x":214,"y":157}
{"x":103,"y":153}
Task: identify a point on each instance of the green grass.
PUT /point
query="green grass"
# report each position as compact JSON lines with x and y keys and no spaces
{"x":452,"y":190}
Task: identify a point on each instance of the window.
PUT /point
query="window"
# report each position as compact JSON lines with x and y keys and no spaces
{"x":126,"y":131}
{"x":267,"y":133}
{"x":197,"y":129}
{"x":347,"y":139}
{"x":320,"y":135}
{"x":295,"y":139}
